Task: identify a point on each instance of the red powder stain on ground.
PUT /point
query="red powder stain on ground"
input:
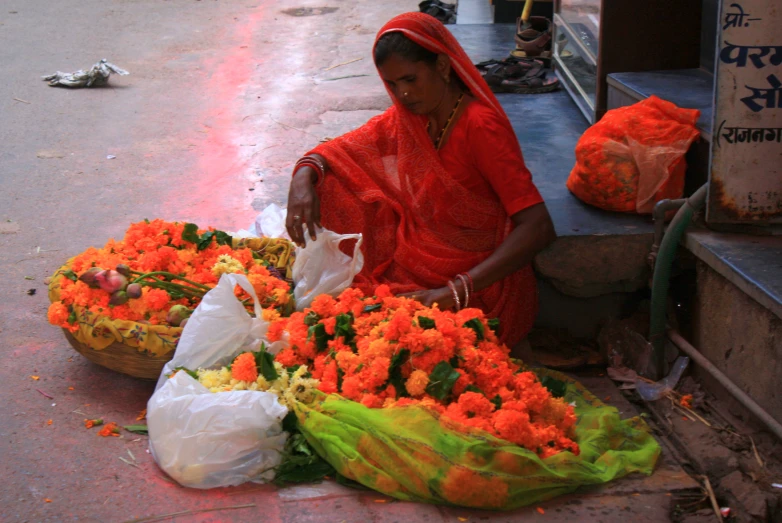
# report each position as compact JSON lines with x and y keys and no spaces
{"x":34,"y":348}
{"x":215,"y":195}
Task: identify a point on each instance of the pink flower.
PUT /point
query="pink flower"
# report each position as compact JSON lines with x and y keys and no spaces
{"x":111,"y":281}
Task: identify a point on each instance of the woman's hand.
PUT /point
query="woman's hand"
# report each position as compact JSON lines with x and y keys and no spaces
{"x":303,"y":206}
{"x":443,"y":297}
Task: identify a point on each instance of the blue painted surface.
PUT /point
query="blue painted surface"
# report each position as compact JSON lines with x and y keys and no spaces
{"x":754,"y":263}
{"x":548,"y":126}
{"x":688,"y":88}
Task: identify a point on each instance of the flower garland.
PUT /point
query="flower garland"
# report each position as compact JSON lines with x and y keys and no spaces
{"x":258,"y":371}
{"x":157,"y":274}
{"x":388,"y":351}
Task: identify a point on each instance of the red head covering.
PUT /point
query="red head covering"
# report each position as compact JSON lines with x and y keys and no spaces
{"x":431,"y":34}
{"x":421,"y":226}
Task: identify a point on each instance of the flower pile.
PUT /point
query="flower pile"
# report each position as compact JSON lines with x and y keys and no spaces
{"x":157,"y":274}
{"x":259,"y":371}
{"x":386,"y":351}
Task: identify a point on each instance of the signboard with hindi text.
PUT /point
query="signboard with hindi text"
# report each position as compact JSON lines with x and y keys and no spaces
{"x":745,"y":183}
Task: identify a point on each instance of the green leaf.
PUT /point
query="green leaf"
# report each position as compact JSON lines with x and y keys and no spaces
{"x":476,"y":325}
{"x":494,"y":324}
{"x":340,"y":377}
{"x":395,"y":377}
{"x":311,"y":318}
{"x":190,"y":233}
{"x":497,"y":401}
{"x":321,"y":338}
{"x":426,"y":323}
{"x":223,"y":238}
{"x":137,"y":429}
{"x":70,"y":275}
{"x":205,"y":239}
{"x":300,"y":462}
{"x":73,"y":317}
{"x":441,"y":380}
{"x":372,"y":308}
{"x":292,"y":472}
{"x":472,"y":388}
{"x":556,"y":387}
{"x":265,"y":363}
{"x":344,"y":328}
{"x":290,"y":423}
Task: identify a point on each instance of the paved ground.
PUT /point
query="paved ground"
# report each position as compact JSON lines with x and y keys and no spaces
{"x":223,"y":96}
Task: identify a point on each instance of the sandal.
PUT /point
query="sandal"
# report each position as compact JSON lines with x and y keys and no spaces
{"x":516,"y":65}
{"x":446,"y":13}
{"x":534,"y":41}
{"x":517,"y":75}
{"x":529,"y":85}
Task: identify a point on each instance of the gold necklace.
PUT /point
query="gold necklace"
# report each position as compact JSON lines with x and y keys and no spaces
{"x":447,"y":123}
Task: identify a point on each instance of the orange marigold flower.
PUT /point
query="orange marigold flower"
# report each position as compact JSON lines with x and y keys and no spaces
{"x":511,"y":425}
{"x":416,"y":383}
{"x":276,"y":330}
{"x":156,"y":299}
{"x":328,"y":378}
{"x":330,"y":324}
{"x":89,"y":423}
{"x":372,"y":401}
{"x":323,"y":305}
{"x":287,"y":357}
{"x":686,"y":401}
{"x":244,"y":367}
{"x":352,"y":388}
{"x":109,"y":430}
{"x":473,"y":404}
{"x":58,"y":314}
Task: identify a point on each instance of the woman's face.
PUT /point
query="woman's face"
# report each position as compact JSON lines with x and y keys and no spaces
{"x":419,"y":86}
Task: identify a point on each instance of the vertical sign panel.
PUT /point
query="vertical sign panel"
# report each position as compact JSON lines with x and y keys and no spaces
{"x":745,"y":183}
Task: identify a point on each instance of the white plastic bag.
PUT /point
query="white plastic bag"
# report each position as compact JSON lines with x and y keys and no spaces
{"x":220,"y":329}
{"x":321,"y":268}
{"x":271,"y":222}
{"x":204,"y":439}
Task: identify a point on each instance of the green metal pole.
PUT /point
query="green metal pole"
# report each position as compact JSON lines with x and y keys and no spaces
{"x":662,"y":274}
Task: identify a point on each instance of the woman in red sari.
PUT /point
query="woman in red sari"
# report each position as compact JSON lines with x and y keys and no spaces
{"x":436,"y":184}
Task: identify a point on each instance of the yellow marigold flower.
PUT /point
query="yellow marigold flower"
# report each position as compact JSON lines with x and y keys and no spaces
{"x":416,"y":383}
{"x":262,"y":383}
{"x":288,"y":399}
{"x":227,"y":265}
{"x":299,"y":373}
{"x":281,"y":296}
{"x":270,"y":315}
{"x":210,"y":378}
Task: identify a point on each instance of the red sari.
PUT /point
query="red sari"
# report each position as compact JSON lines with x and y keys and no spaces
{"x":427,"y":216}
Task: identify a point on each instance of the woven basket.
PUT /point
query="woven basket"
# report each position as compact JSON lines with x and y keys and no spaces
{"x":122,"y":358}
{"x":129,"y":360}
